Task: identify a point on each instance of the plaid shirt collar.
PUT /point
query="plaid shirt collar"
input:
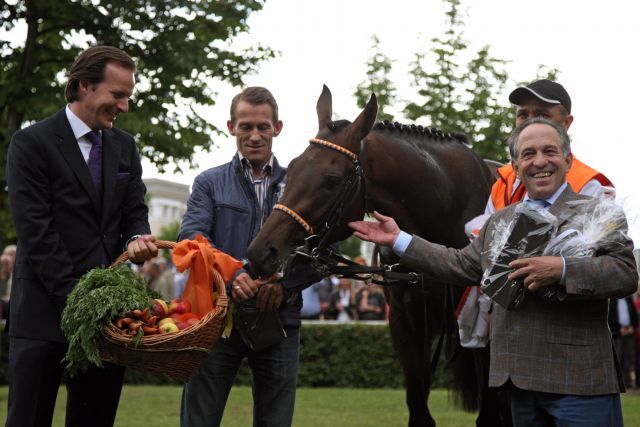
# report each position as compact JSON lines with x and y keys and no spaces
{"x":248,"y":169}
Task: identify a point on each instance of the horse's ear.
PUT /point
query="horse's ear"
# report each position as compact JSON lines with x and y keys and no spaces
{"x":324,"y":107}
{"x":367,"y":118}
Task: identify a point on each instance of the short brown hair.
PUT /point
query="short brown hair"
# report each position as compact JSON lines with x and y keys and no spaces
{"x":254,"y":95}
{"x":90,"y":65}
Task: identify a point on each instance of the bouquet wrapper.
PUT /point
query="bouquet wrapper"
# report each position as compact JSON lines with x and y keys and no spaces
{"x":525,"y":235}
{"x":600,"y":224}
{"x":202,"y":259}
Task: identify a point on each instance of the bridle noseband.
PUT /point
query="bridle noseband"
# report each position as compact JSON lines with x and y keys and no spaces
{"x":323,"y":258}
{"x":335,"y":212}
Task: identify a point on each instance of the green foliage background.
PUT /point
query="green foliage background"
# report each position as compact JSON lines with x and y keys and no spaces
{"x":181,"y":48}
{"x":451,"y":94}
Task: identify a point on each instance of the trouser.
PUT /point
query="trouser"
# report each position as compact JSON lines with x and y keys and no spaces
{"x":274,"y":373}
{"x":624,"y":350}
{"x":35,"y":371}
{"x":538,"y":409}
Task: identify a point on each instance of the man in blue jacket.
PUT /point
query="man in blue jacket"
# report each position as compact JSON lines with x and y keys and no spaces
{"x":228,"y":205}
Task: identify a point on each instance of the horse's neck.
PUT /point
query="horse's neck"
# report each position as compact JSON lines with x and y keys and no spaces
{"x":418,"y":186}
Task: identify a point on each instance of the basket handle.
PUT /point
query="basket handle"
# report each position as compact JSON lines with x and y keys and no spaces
{"x":222,"y":301}
{"x":161,"y":244}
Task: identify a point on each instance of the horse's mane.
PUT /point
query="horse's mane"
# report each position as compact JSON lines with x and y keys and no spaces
{"x":421,"y":132}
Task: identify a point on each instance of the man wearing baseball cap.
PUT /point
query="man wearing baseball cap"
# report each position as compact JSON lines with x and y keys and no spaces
{"x":548,"y":99}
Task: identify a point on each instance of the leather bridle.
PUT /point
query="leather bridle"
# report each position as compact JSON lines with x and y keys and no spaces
{"x":316,"y":240}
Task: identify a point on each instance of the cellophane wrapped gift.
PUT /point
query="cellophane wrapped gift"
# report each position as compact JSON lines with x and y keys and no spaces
{"x":524,"y":234}
{"x":600,"y":226}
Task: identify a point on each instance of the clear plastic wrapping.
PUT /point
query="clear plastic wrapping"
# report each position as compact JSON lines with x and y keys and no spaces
{"x":599,"y":224}
{"x":523,"y":235}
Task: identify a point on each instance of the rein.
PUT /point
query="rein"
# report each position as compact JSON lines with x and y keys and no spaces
{"x":316,"y":249}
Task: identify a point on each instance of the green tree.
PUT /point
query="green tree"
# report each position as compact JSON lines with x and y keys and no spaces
{"x":379,"y":66}
{"x":462,"y":98}
{"x":351,"y":247}
{"x":169,"y":233}
{"x":180,"y":46}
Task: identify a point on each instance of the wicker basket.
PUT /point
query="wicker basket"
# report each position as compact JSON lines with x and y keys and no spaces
{"x":176,"y":355}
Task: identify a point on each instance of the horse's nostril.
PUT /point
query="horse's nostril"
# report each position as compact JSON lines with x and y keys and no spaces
{"x":272,"y":252}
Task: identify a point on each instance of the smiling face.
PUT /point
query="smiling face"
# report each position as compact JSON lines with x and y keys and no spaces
{"x":99,"y":104}
{"x":540,"y":164}
{"x":254,"y":130}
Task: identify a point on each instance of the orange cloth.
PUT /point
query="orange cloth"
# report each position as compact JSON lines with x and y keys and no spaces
{"x":502,"y":193}
{"x":202,"y":258}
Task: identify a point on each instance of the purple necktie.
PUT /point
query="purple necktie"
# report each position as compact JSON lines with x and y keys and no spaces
{"x":95,"y":158}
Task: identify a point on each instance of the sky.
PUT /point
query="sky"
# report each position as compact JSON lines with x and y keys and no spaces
{"x":594,"y":44}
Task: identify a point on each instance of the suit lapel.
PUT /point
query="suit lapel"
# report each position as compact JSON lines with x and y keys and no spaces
{"x":111,"y":157}
{"x":561,"y":208}
{"x":68,"y":145}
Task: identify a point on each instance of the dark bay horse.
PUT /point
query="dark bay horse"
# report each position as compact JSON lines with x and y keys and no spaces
{"x":430,"y":182}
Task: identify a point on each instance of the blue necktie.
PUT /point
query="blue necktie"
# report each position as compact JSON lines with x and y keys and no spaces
{"x":538,"y":204}
{"x":95,"y":158}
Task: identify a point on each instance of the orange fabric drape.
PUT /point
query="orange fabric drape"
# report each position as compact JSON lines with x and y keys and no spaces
{"x":202,"y":259}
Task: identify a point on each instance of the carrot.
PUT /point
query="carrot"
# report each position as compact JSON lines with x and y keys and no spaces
{"x":148,"y":330}
{"x":127,"y":321}
{"x":135,"y":326}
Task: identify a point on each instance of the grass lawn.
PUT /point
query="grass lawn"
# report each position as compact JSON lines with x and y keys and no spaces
{"x":319,"y":407}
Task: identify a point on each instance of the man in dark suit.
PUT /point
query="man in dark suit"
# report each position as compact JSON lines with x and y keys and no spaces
{"x":623,"y":322}
{"x":556,"y":356}
{"x":77,"y":198}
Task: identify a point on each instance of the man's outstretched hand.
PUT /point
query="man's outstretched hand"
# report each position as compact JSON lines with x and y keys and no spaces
{"x":384,"y":232}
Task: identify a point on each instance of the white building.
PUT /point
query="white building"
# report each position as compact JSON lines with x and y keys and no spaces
{"x":167,"y":202}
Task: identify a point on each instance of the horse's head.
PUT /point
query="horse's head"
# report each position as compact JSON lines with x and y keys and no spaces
{"x":323,"y":192}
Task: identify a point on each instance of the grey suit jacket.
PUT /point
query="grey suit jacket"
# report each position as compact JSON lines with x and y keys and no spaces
{"x":557,"y":347}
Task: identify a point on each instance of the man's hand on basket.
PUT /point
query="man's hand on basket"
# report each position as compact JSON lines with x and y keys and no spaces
{"x":143,"y":248}
{"x":243,"y":287}
{"x":270,"y":294}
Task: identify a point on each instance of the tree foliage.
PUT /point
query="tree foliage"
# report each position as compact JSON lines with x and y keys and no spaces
{"x":462,"y":98}
{"x":180,"y":46}
{"x":378,"y":67}
{"x":452,"y":95}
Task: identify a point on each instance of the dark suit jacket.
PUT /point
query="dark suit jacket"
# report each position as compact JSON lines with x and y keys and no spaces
{"x":614,"y":323}
{"x":64,"y":229}
{"x":557,"y":347}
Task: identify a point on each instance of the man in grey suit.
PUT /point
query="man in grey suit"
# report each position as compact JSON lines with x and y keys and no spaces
{"x":555,"y":356}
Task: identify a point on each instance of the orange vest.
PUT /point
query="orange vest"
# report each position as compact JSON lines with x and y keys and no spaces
{"x":503,"y":194}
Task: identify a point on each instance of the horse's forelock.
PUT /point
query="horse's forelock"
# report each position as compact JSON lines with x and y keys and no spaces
{"x":338,"y":125}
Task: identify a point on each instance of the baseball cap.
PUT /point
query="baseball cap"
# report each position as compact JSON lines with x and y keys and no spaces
{"x":545,"y":90}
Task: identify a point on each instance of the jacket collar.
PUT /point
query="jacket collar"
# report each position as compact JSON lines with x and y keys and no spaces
{"x":68,"y":145}
{"x":561,"y":208}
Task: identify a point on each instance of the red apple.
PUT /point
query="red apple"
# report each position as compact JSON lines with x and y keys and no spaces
{"x":186,"y":316}
{"x":192,"y":321}
{"x":183,"y":325}
{"x":179,"y":306}
{"x":159,"y":308}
